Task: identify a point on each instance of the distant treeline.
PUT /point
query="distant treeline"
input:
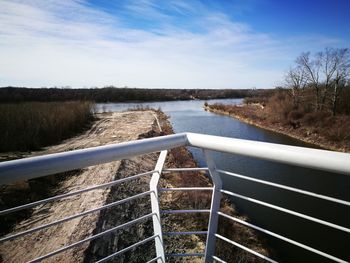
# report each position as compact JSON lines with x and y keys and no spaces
{"x":113,"y":94}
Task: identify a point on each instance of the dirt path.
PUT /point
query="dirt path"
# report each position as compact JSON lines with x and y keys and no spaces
{"x":109,"y":128}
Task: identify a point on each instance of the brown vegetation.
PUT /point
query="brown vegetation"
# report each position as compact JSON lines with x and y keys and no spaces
{"x":31,"y":125}
{"x":326,"y":74}
{"x":303,"y":122}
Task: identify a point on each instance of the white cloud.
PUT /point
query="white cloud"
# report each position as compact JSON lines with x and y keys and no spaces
{"x":58,"y":43}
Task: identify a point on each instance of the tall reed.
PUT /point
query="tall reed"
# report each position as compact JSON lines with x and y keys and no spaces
{"x":31,"y":125}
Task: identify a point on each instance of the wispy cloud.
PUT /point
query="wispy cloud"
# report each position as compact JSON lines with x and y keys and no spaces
{"x":183,"y":45}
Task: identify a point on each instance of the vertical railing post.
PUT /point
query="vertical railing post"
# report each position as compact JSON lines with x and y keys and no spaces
{"x":157,"y":226}
{"x":215,"y":206}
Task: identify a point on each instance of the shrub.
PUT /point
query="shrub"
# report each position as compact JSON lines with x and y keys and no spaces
{"x":296,"y":114}
{"x":278,"y":107}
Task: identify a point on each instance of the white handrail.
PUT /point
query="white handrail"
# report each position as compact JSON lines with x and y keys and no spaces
{"x":245,"y":248}
{"x":288,"y":188}
{"x":62,"y":220}
{"x":288,"y":211}
{"x":288,"y":240}
{"x":300,"y":156}
{"x":78,"y":243}
{"x":81,"y":191}
{"x":156,"y":218}
{"x":33,"y":167}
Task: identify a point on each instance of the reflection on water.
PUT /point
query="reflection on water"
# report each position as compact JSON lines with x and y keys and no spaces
{"x":189,"y":116}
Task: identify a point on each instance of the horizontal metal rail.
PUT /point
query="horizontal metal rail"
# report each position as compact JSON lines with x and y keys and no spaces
{"x":92,"y":238}
{"x":185,"y":233}
{"x":34,"y":229}
{"x":291,"y":212}
{"x":127,"y":248}
{"x":186,"y":189}
{"x":219,"y":259}
{"x":58,"y":197}
{"x":185,"y":169}
{"x":185,"y":255}
{"x":245,"y":248}
{"x":281,"y":186}
{"x":185,"y":211}
{"x":154,"y":259}
{"x":288,"y":240}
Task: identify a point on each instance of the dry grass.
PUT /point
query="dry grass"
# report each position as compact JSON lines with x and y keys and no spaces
{"x":32,"y":125}
{"x":280,"y":109}
{"x":300,"y":121}
{"x":248,"y":111}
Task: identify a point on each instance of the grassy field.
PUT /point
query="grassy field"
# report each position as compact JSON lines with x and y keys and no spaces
{"x":32,"y":125}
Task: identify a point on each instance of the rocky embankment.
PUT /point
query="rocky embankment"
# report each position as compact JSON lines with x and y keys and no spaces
{"x":115,"y":128}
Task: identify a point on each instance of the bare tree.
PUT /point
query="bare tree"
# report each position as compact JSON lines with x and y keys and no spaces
{"x":328,"y":64}
{"x":327,"y":73}
{"x":311,"y":69}
{"x":341,"y":74}
{"x":295,"y":79}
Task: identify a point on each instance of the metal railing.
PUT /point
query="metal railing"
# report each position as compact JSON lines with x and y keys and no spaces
{"x":35,"y":167}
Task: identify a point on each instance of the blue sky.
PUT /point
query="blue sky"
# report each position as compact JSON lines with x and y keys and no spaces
{"x":163,"y":44}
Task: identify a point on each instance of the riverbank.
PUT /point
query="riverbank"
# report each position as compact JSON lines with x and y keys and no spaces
{"x":114,"y":128}
{"x":251,"y":114}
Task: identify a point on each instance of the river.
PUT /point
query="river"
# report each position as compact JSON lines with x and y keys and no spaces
{"x":189,"y":116}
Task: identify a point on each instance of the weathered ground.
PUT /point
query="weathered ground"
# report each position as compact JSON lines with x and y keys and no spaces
{"x":110,"y":128}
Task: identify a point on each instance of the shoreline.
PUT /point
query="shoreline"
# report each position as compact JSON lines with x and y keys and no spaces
{"x":315,"y":140}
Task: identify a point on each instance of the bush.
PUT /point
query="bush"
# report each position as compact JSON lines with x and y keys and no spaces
{"x":278,"y":107}
{"x":339,"y":130}
{"x":32,"y":125}
{"x":295,"y":114}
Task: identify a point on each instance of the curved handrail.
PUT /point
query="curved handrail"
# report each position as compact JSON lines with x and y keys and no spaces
{"x":33,"y":167}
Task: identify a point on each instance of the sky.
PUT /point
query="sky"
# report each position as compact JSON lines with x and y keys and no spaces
{"x":215,"y":44}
